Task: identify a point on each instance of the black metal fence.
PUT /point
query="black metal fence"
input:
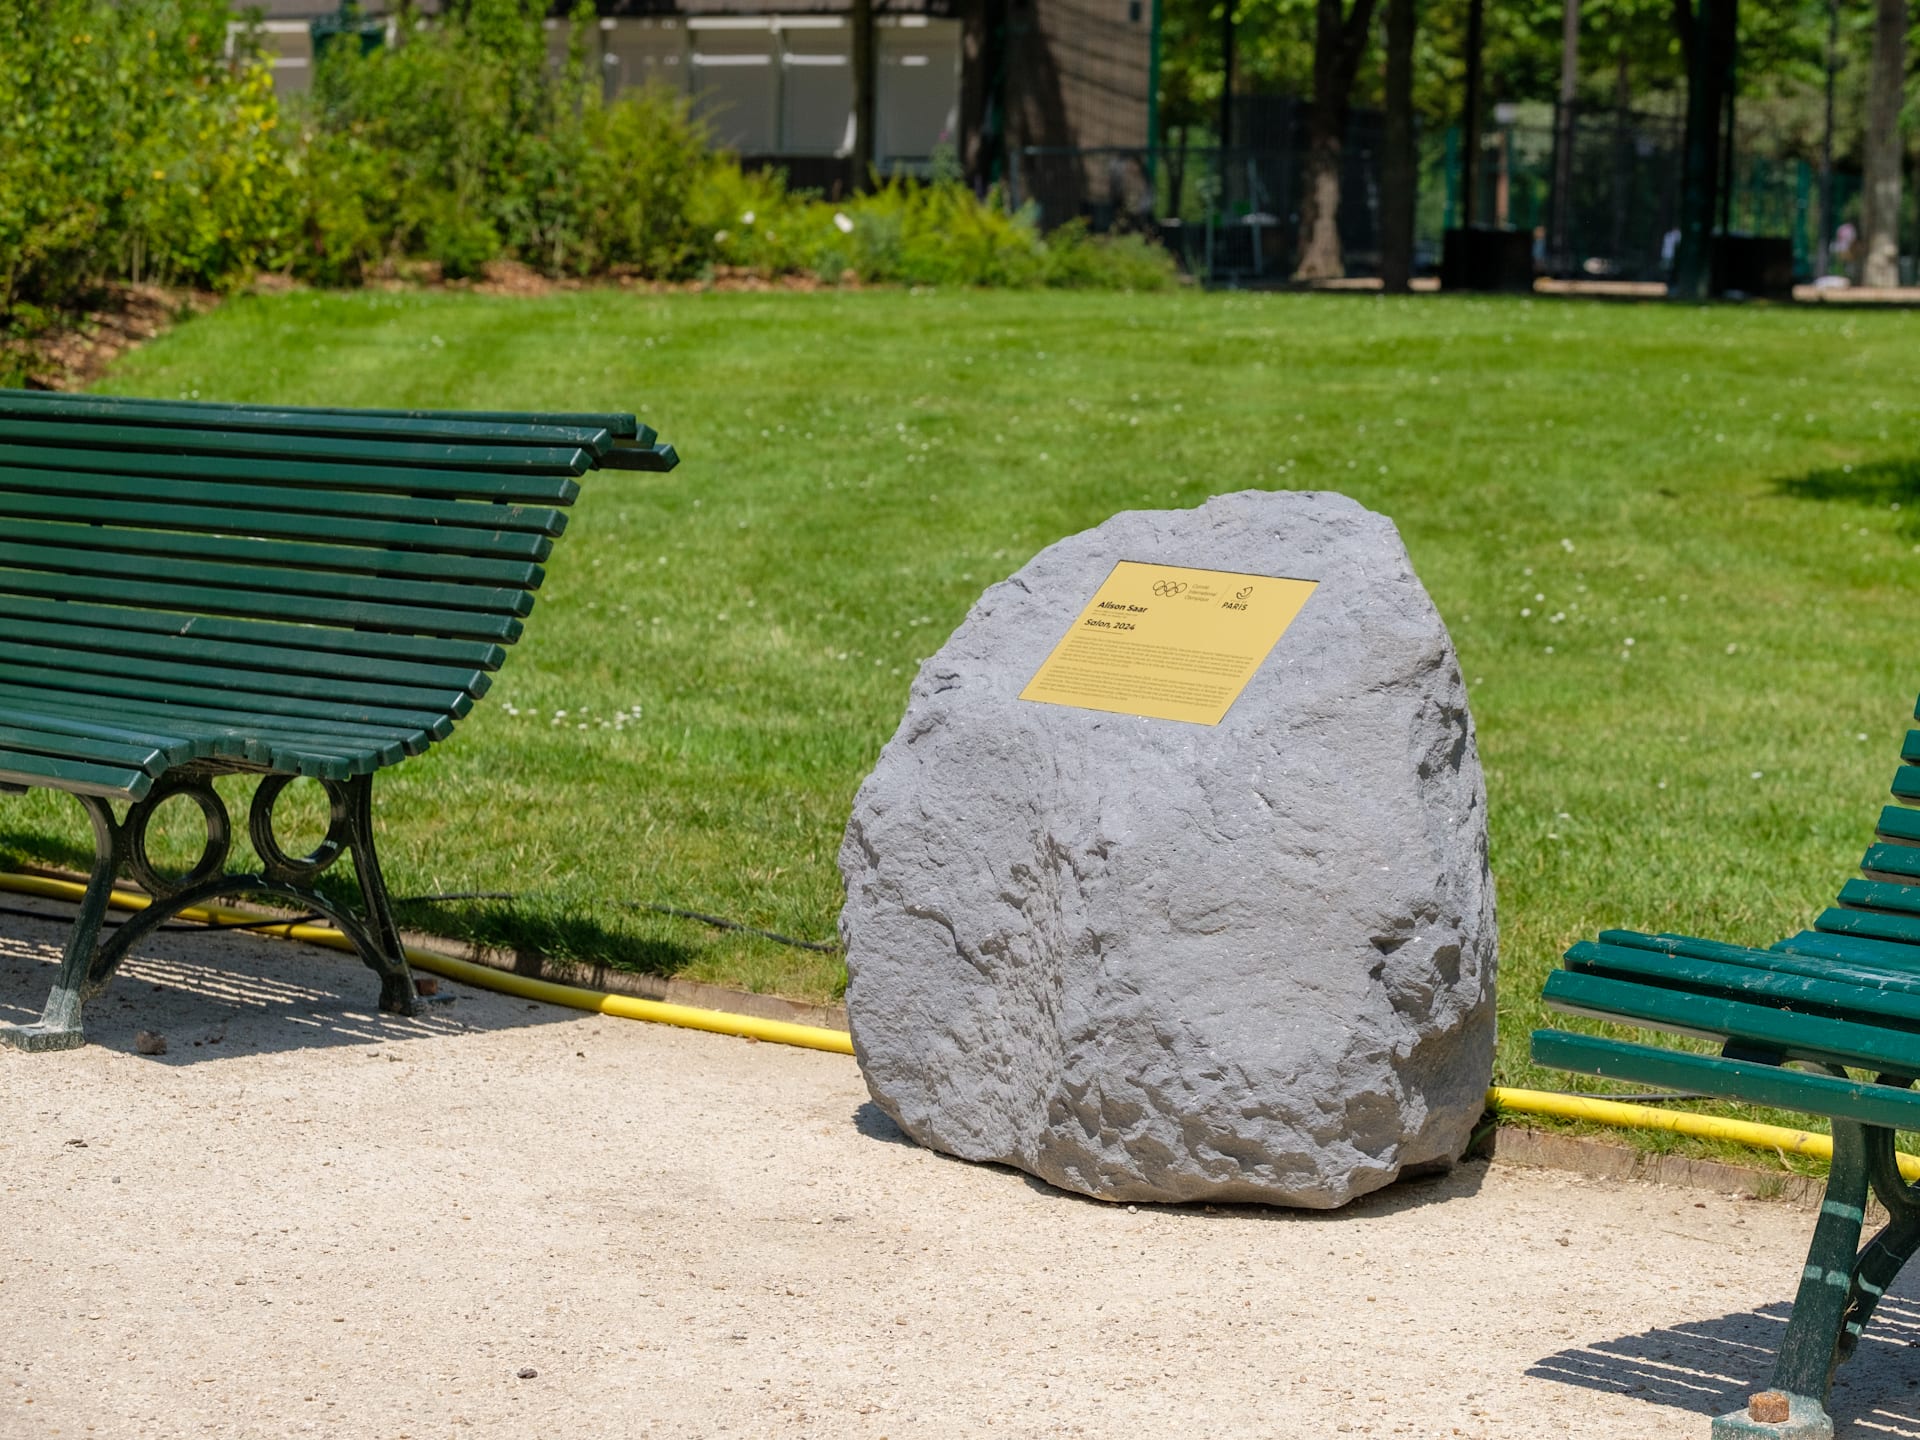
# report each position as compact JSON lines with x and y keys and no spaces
{"x":1232,"y":214}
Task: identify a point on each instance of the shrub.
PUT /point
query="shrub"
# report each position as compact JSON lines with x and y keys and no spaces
{"x":130,"y":144}
{"x":133,"y":144}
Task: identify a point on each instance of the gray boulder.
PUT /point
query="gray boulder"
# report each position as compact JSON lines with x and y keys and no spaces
{"x":1147,"y":960}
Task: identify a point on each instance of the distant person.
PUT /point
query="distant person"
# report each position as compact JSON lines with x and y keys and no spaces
{"x":1844,"y":239}
{"x":1669,"y":247}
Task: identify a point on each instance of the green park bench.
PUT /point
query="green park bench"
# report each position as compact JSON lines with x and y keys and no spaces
{"x":193,"y":590}
{"x":1842,"y":996}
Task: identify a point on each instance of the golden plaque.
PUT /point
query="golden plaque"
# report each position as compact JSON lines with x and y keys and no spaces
{"x":1168,"y":642}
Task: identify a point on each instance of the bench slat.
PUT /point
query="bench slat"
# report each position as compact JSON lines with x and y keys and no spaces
{"x":1897,"y":822}
{"x":199,"y":650}
{"x":350,"y":424}
{"x":378,"y":744}
{"x":1773,"y":958}
{"x":30,"y":740}
{"x":1849,"y":991}
{"x":1880,"y":956}
{"x":1896,"y":929}
{"x":344,"y":689}
{"x":618,"y":424}
{"x":653,"y":459}
{"x":76,"y":777}
{"x":257,"y":579}
{"x":1896,"y":860}
{"x":116,"y":466}
{"x":302,"y":609}
{"x":397,"y":565}
{"x":436,"y":724}
{"x":1881,"y":895}
{"x":476,"y":527}
{"x":1796,"y":1033}
{"x":21,"y":610}
{"x":568,"y":460}
{"x":177,"y":745}
{"x":1717,"y":1075}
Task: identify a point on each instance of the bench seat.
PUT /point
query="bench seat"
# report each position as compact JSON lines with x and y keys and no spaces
{"x":191,"y":589}
{"x":1826,"y":1022}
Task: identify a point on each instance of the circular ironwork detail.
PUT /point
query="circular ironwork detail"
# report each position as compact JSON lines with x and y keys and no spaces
{"x":266,"y":844}
{"x":219,"y":834}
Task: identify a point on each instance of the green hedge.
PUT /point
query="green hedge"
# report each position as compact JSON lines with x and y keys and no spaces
{"x":137,"y":143}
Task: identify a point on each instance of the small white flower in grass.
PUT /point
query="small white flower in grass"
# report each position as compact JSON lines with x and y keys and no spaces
{"x":1525,"y":613}
{"x":1663,"y":784}
{"x":1861,"y":736}
{"x":581,"y":726}
{"x":1527,"y":571}
{"x":1538,"y":596}
{"x":1733,"y":649}
{"x":559,"y":714}
{"x":747,"y":218}
{"x":1567,"y":545}
{"x":720,"y":237}
{"x":843,"y":222}
{"x":1549,"y":649}
{"x":1756,"y":774}
{"x":1627,"y":641}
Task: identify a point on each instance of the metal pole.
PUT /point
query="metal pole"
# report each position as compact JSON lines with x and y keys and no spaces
{"x":1560,"y":246}
{"x":1823,"y":252}
{"x":1153,"y":96}
{"x":1226,"y":78}
{"x":1470,"y":122}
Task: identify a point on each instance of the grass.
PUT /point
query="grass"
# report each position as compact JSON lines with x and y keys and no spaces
{"x":1670,"y":544}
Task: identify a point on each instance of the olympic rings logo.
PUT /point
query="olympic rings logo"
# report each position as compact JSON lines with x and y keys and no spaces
{"x":1167,"y":589}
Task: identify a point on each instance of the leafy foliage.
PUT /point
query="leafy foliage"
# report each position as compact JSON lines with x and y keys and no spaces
{"x":138,"y":142}
{"x":130,"y":143}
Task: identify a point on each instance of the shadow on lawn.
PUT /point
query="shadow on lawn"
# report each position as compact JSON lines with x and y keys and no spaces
{"x":1879,"y":483}
{"x":1711,"y":1367}
{"x":224,"y":995}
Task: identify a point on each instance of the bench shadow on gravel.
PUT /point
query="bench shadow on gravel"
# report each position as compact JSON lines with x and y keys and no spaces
{"x":1710,"y":1367}
{"x":217,"y":995}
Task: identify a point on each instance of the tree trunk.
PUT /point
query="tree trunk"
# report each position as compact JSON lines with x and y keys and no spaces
{"x":1338,"y":43}
{"x":1880,"y":180}
{"x":863,"y":106}
{"x":1398,"y":173}
{"x":1559,"y":242}
{"x":1470,"y":116}
{"x":1700,"y":190}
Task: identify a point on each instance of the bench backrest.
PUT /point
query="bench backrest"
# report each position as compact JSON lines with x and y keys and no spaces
{"x":356,"y":573}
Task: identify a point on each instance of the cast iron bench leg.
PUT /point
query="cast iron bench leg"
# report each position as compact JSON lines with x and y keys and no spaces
{"x":94,"y":950}
{"x":1841,"y":1284}
{"x":58,"y":1027}
{"x":388,"y":957}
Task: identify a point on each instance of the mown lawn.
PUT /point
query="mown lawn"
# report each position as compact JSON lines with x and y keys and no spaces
{"x":1669,"y":542}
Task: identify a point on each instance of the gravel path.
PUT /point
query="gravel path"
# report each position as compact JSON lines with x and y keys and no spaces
{"x":515,"y":1221}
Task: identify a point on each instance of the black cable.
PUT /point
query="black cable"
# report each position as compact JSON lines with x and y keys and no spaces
{"x":825,"y":947}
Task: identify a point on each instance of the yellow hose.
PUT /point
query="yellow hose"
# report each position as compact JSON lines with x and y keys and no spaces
{"x":1680,"y":1122}
{"x":624,"y":1007}
{"x":813,"y":1037}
